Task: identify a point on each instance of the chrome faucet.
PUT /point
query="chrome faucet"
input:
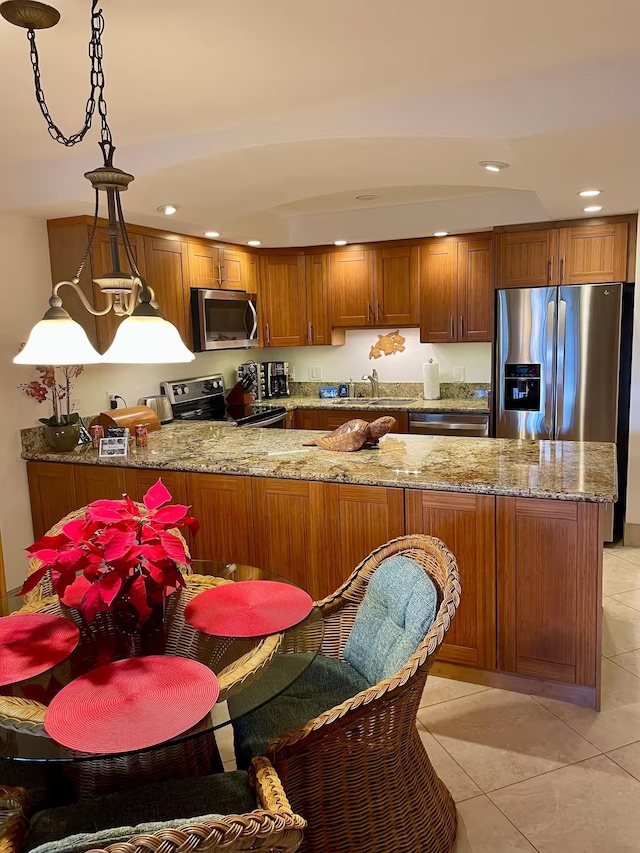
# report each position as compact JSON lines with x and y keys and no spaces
{"x":375,"y":385}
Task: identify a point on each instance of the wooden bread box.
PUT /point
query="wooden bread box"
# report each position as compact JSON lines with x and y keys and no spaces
{"x":128,"y":417}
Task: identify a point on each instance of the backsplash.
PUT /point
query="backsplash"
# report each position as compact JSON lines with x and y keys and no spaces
{"x":448,"y":390}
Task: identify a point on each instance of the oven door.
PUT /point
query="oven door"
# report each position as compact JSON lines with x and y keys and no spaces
{"x":223,"y":319}
{"x":275,"y":422}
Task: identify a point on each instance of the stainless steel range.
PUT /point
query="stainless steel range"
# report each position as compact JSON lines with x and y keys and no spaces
{"x":202,"y":399}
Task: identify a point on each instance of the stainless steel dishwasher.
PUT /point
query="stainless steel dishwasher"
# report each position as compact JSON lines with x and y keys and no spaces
{"x":449,"y":423}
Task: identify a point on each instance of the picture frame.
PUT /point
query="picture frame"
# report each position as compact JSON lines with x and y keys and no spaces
{"x":113,"y":447}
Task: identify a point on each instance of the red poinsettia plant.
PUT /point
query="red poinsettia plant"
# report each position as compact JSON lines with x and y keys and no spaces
{"x":119,"y":556}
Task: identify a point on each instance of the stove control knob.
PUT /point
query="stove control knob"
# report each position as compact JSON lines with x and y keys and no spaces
{"x":185,"y":389}
{"x":176,"y":390}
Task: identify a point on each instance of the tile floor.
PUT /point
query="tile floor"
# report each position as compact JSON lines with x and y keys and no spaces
{"x":533,"y":774}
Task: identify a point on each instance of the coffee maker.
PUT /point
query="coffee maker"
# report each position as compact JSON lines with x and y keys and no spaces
{"x":275,"y":379}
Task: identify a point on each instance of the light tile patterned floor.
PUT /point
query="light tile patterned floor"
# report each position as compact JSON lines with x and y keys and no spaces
{"x":531,"y":774}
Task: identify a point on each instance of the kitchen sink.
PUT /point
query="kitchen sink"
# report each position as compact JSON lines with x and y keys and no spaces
{"x":392,"y":401}
{"x":343,"y":402}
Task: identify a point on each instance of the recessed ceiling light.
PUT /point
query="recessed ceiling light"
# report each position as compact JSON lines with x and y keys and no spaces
{"x":367,"y":197}
{"x":593,"y":208}
{"x":254,"y":243}
{"x":168,"y":209}
{"x":440,"y":233}
{"x":589,"y":193}
{"x":211,"y":234}
{"x":340,"y":243}
{"x":493,"y":165}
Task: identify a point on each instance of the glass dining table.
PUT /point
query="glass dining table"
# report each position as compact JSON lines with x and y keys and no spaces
{"x":250,"y":671}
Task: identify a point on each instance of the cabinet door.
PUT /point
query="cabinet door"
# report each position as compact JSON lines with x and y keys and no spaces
{"x":317,"y":268}
{"x":396,"y":287}
{"x":360,"y":519}
{"x":138,"y":481}
{"x":291,"y":537}
{"x":549,"y":588}
{"x":167,"y":277}
{"x":222,"y":505}
{"x":590,"y":254}
{"x":204,"y":266}
{"x":52,"y":490}
{"x":351,"y":289}
{"x":238,"y":270}
{"x":466,"y":525}
{"x":95,"y":483}
{"x":283,"y":304}
{"x":307,"y":419}
{"x":329,"y":419}
{"x":475,"y":290}
{"x":527,"y":258}
{"x":439,"y":292}
{"x":101,"y":263}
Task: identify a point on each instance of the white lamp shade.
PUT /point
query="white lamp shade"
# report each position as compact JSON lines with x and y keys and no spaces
{"x":59,"y":342}
{"x":147,"y":340}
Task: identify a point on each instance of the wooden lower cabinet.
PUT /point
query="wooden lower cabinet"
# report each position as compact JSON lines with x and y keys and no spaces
{"x":289,"y":519}
{"x":138,"y":481}
{"x":330,"y":419}
{"x":307,"y":418}
{"x":550,"y":589}
{"x":52,"y":490}
{"x":466,"y":525}
{"x":94,"y":483}
{"x":222,"y":505}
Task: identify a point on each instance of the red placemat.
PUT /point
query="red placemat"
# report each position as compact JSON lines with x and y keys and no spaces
{"x":248,"y":609}
{"x":32,"y":643}
{"x":131,"y":704}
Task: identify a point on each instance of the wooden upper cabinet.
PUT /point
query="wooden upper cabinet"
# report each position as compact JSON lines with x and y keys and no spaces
{"x":352,"y":288}
{"x":283,"y":305}
{"x":527,"y":258}
{"x":439,"y":291}
{"x":101,"y":263}
{"x":317,"y":272}
{"x":238,"y":270}
{"x":167,"y":276}
{"x":396,"y":276}
{"x":475,"y":290}
{"x":591,"y":254}
{"x":204,"y":266}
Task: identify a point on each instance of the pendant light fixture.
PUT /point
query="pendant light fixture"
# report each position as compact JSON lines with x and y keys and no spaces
{"x":145,"y":336}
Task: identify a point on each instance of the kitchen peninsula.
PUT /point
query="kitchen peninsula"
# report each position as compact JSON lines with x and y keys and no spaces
{"x":523,"y":519}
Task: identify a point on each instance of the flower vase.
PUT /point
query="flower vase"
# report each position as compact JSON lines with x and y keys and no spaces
{"x":139,"y":639}
{"x":62,"y":438}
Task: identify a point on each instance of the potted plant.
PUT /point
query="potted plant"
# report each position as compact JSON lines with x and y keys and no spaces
{"x":62,"y":430}
{"x":120,"y":558}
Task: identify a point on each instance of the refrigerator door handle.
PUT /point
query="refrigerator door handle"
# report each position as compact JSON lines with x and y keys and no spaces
{"x":548,"y":397}
{"x":562,"y":334}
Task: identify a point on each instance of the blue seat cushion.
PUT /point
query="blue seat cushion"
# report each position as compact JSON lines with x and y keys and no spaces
{"x":325,"y":683}
{"x":396,"y":614}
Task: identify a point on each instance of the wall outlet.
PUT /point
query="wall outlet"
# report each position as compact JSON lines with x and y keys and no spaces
{"x":112,"y":400}
{"x":458,"y":374}
{"x":315,"y":374}
{"x":292,"y":372}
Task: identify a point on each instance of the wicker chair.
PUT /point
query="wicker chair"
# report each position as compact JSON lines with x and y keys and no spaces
{"x":271,"y":827}
{"x":359,"y":772}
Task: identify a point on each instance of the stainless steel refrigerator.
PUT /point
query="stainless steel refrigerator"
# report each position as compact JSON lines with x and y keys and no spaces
{"x":558,"y":354}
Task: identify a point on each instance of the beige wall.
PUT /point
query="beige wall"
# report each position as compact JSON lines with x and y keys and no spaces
{"x":632,"y":531}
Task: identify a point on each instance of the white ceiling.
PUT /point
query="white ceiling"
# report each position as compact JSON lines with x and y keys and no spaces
{"x":266,"y":119}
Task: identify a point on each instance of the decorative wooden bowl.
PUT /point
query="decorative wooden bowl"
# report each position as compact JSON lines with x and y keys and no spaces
{"x":354,"y":435}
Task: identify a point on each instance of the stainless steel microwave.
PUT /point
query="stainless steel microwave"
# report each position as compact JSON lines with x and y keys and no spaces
{"x":223,"y":319}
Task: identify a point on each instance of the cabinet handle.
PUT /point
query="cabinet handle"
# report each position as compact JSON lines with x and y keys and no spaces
{"x":223,"y":273}
{"x":368,"y":311}
{"x":452,"y":330}
{"x":562,"y":265}
{"x":310,"y":333}
{"x":219,"y":274}
{"x":551,"y":268}
{"x":461,"y":327}
{"x":378,"y":312}
{"x":268,"y":334}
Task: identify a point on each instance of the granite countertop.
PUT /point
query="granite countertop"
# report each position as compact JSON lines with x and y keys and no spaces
{"x":575,"y":471}
{"x":476,"y":405}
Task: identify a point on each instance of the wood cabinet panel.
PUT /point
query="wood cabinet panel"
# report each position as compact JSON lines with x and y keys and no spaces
{"x":52,"y":490}
{"x":360,"y":519}
{"x":593,"y":253}
{"x":438,"y":292}
{"x":95,"y":482}
{"x":167,"y":276}
{"x":317,"y":273}
{"x":475,"y":290}
{"x":307,"y":419}
{"x":204,"y":266}
{"x":138,"y":481}
{"x":548,"y":588}
{"x":527,"y":258}
{"x":466,"y":524}
{"x":222,"y":505}
{"x":238,"y":270}
{"x":330,"y":419}
{"x":283,"y":304}
{"x":396,"y":279}
{"x":351,"y":288}
{"x":290,"y":532}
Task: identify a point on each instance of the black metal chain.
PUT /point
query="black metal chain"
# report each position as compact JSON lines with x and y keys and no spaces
{"x":97,"y":85}
{"x":92,"y":234}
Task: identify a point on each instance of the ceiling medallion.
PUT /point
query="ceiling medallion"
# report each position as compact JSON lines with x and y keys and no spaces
{"x":144,"y":336}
